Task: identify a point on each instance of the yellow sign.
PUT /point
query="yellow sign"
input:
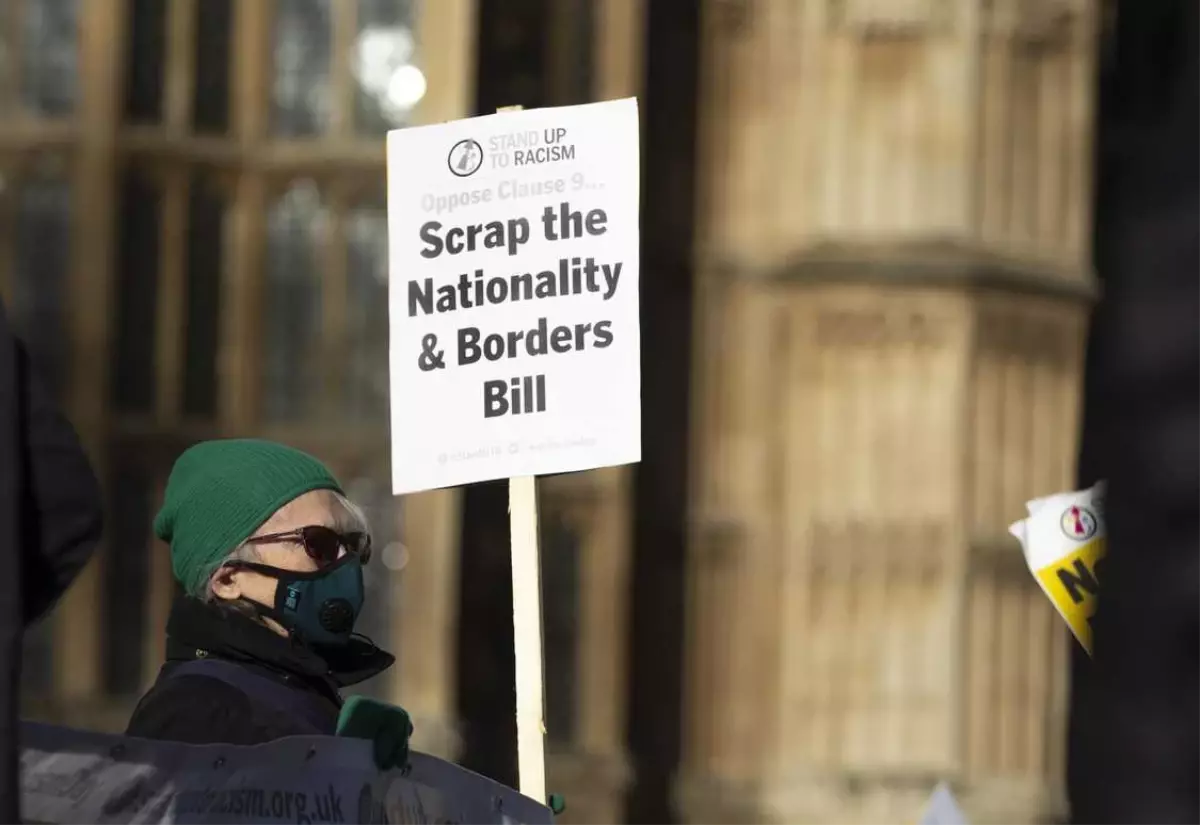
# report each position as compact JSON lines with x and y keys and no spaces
{"x":1073,"y":585}
{"x":1064,"y":543}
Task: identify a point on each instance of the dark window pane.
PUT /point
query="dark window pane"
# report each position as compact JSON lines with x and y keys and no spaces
{"x":205,"y":246}
{"x":126,"y":579}
{"x":484,"y":659}
{"x":42,"y":265}
{"x":511,"y":64}
{"x":214,"y":35}
{"x":560,"y":599}
{"x":572,"y":81}
{"x":292,"y":308}
{"x":144,"y":66}
{"x":137,"y":293}
{"x":386,"y":12}
{"x":50,"y":56}
{"x":302,"y":52}
{"x":389,"y":84}
{"x":366,"y":390}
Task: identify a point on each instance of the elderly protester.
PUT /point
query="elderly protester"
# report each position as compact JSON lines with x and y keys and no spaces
{"x":269,"y":553}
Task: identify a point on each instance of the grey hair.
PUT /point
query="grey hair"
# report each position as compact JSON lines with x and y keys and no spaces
{"x":243,"y":552}
{"x":350,"y":519}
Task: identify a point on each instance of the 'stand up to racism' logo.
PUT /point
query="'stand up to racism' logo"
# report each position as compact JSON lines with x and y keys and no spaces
{"x":1078,"y":523}
{"x":465,"y":158}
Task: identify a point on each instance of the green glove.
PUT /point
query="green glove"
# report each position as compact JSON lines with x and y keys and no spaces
{"x":387,"y":726}
{"x":557,"y":803}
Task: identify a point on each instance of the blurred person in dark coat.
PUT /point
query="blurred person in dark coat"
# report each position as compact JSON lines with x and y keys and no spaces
{"x":1135,"y":727}
{"x":50,"y":522}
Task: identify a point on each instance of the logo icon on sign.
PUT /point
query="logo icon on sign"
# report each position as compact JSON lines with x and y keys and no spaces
{"x":465,"y":158}
{"x":1078,"y":523}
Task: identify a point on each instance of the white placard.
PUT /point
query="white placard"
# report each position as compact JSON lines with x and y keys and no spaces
{"x":942,"y":808}
{"x":513,"y":290}
{"x":72,"y":776}
{"x":1065,"y":540}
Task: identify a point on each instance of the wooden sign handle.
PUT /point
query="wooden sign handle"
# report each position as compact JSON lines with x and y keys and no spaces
{"x":527,"y":629}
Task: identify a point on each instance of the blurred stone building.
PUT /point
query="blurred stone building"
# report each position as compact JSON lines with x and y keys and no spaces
{"x":866,"y":277}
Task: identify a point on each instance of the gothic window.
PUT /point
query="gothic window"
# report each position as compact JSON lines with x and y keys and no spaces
{"x":138,"y":255}
{"x":291,"y":335}
{"x":49,"y":56}
{"x":366,"y":367}
{"x":383,"y":60}
{"x":227,"y":219}
{"x":145,"y":60}
{"x":213,"y":36}
{"x":301,"y":54}
{"x":204,"y":255}
{"x":39,"y":296}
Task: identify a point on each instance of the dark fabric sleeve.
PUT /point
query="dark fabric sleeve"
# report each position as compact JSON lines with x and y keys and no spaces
{"x":199,"y":710}
{"x":60,"y":501}
{"x":1135,"y":725}
{"x":10,"y":584}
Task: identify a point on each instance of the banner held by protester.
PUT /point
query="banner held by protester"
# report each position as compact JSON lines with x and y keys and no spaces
{"x":79,"y":776}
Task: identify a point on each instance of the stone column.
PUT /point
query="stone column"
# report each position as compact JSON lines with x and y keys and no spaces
{"x":894,"y":284}
{"x":587,"y":516}
{"x":426,"y":604}
{"x":79,"y":620}
{"x":589,"y":765}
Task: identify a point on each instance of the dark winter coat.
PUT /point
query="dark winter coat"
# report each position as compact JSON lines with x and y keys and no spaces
{"x":273,"y":677}
{"x":50,"y":522}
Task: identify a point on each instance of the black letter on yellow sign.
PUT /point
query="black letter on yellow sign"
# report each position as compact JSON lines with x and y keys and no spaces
{"x":1081,"y":579}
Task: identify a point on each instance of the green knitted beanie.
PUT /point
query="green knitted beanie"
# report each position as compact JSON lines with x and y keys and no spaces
{"x":220,"y":492}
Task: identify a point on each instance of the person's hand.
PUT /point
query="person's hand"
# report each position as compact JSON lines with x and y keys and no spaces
{"x":557,"y":803}
{"x":387,"y":726}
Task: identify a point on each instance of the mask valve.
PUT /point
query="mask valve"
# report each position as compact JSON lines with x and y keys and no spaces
{"x":336,"y":616}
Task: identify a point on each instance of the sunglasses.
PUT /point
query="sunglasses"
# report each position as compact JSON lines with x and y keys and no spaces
{"x":324,"y":545}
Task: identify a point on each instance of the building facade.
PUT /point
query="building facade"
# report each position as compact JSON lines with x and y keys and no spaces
{"x":866,"y":281}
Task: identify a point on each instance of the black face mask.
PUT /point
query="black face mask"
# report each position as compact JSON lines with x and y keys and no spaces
{"x":319,"y":607}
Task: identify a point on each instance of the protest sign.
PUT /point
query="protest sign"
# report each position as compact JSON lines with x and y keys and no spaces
{"x":513,"y":258}
{"x":1064,"y":543}
{"x":515,"y":345}
{"x":79,"y":776}
{"x":942,"y":808}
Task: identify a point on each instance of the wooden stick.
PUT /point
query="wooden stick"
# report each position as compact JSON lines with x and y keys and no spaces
{"x":527,"y":630}
{"x":527,"y":636}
